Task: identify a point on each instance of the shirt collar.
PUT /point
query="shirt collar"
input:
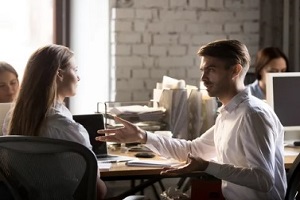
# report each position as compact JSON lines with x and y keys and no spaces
{"x":235,"y":101}
{"x":56,"y":108}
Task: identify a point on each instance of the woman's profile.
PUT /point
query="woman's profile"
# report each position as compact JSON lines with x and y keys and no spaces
{"x":9,"y":83}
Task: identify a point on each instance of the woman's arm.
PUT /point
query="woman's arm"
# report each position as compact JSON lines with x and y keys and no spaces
{"x":101,"y":189}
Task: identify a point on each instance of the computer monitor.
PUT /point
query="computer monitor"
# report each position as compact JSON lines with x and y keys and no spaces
{"x":283,"y":95}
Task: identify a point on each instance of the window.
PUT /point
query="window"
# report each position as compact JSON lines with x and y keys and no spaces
{"x":89,"y":39}
{"x":25,"y":25}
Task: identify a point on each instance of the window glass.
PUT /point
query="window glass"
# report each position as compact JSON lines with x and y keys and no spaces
{"x":25,"y":25}
{"x":89,"y":40}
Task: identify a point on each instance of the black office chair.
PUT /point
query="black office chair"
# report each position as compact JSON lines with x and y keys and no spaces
{"x":293,"y":181}
{"x":37,"y":168}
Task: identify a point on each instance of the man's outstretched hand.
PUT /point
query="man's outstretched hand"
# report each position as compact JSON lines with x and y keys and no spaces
{"x":193,"y":164}
{"x":127,"y":134}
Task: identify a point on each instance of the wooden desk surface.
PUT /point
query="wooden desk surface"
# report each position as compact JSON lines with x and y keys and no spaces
{"x":289,"y":159}
{"x":122,"y":170}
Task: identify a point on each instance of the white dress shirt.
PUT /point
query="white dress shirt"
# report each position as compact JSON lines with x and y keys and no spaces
{"x":247,"y":142}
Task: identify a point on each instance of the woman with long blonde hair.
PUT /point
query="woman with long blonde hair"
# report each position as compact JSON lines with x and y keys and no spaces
{"x":50,"y":76}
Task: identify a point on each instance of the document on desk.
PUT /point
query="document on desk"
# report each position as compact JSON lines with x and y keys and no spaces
{"x":104,"y":166}
{"x":290,"y":153}
{"x":153,"y":163}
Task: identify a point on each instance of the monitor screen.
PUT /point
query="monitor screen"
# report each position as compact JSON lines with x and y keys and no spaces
{"x":283,"y":95}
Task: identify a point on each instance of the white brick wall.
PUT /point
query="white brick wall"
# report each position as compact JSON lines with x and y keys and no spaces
{"x":157,"y":50}
{"x":156,"y":73}
{"x":177,"y":50}
{"x":232,"y":27}
{"x":215,"y":4}
{"x":144,"y":14}
{"x":139,"y":26}
{"x":194,"y":4}
{"x":124,"y":13}
{"x":152,"y":38}
{"x":171,"y":15}
{"x":120,"y":49}
{"x":140,"y":74}
{"x":150,"y":3}
{"x":140,"y":49}
{"x":251,"y":27}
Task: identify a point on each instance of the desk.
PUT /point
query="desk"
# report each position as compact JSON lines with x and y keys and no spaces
{"x":150,"y":175}
{"x":119,"y":171}
{"x":288,"y":158}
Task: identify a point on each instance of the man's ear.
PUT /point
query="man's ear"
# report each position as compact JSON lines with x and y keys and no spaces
{"x":236,"y":70}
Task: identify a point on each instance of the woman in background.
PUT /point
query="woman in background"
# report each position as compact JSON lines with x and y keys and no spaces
{"x":268,"y":60}
{"x":9,"y":83}
{"x":50,"y":76}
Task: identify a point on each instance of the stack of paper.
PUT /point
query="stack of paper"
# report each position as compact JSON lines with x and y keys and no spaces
{"x":138,"y":113}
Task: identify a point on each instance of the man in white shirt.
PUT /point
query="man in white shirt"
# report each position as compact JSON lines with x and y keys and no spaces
{"x":246,"y":140}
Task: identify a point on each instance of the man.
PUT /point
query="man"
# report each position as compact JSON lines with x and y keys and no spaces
{"x":246,"y":140}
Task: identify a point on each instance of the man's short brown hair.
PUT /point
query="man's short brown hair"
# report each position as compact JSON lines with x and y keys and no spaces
{"x":231,"y":51}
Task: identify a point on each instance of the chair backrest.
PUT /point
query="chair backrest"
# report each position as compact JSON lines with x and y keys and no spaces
{"x":44,"y":168}
{"x":293,"y":181}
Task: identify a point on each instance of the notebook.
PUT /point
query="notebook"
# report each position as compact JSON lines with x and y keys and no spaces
{"x":92,"y":123}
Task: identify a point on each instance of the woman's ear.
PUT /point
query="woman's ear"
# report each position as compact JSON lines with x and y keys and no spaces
{"x":60,"y":74}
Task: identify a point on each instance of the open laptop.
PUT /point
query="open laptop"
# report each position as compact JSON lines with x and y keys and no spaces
{"x":92,"y":123}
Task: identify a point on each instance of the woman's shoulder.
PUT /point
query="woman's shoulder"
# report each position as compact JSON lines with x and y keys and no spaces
{"x":61,"y":127}
{"x":61,"y":122}
{"x":253,"y":85}
{"x":255,"y":90}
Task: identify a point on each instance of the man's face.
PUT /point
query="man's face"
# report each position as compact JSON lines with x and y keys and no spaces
{"x":216,"y":77}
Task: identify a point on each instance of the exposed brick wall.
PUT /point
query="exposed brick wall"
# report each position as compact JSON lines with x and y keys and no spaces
{"x":152,"y":38}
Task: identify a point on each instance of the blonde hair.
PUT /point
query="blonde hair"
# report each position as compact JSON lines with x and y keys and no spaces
{"x":38,"y":89}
